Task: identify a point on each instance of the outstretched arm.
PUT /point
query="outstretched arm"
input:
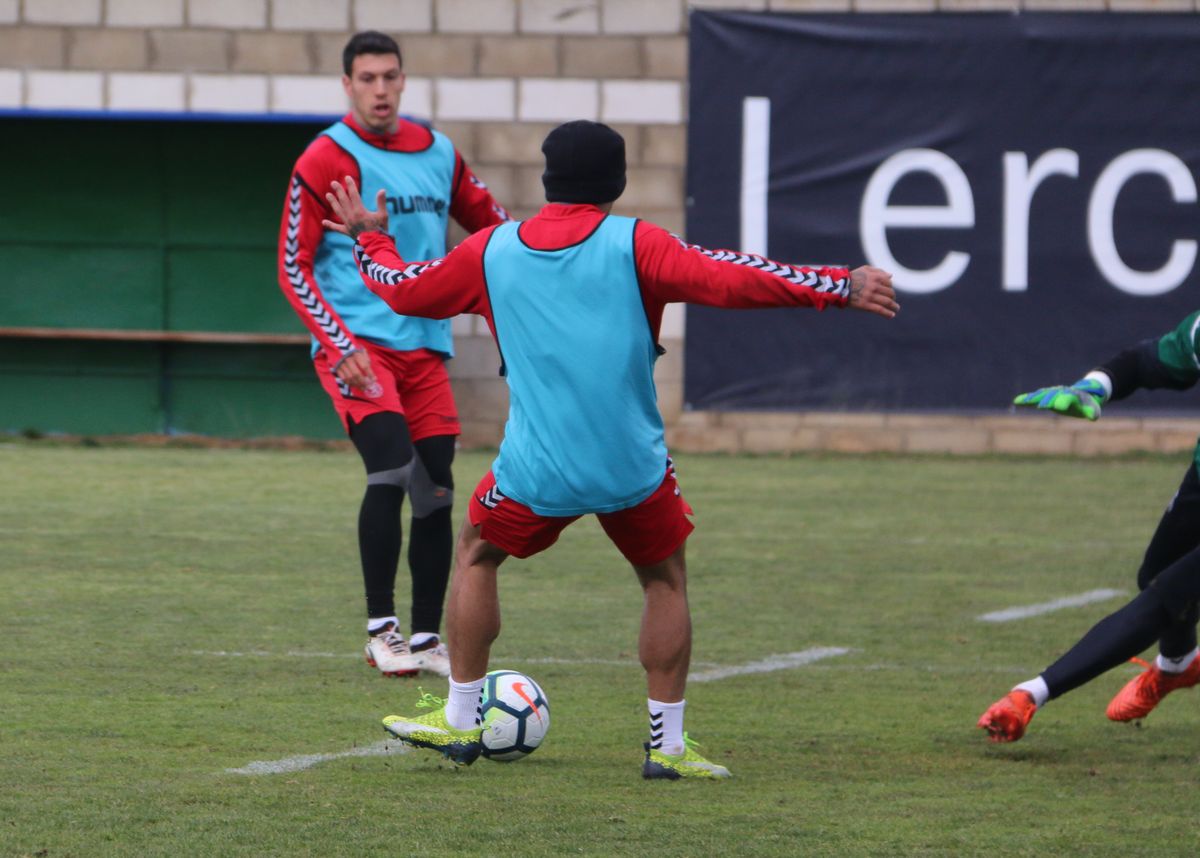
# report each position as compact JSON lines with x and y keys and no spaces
{"x":437,"y":289}
{"x":672,"y":270}
{"x":1170,"y":361}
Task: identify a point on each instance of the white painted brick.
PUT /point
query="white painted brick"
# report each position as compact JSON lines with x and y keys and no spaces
{"x":127,"y":91}
{"x":143,"y":13}
{"x":648,"y":102}
{"x":228,"y":93}
{"x":394,"y":16}
{"x":824,"y":5}
{"x":10,"y":88}
{"x":8,"y":12}
{"x":418,"y":97}
{"x":559,"y":16}
{"x":979,"y":5}
{"x":1064,"y":5}
{"x":727,"y":4}
{"x":231,"y":14}
{"x":310,"y":14}
{"x":638,"y":16}
{"x":476,"y":16}
{"x":320,"y":94}
{"x":65,"y":90}
{"x":62,"y":11}
{"x":474,"y":99}
{"x":558,"y":100}
{"x":905,"y":6}
{"x":673,"y":322}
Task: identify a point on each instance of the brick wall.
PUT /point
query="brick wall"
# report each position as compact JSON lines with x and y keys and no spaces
{"x":496,"y":75}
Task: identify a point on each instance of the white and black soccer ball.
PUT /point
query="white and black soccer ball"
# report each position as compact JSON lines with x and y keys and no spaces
{"x":516,"y":715}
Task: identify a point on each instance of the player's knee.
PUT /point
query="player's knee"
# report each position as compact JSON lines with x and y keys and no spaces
{"x":398,"y":477}
{"x":427,"y":494}
{"x":427,"y":498}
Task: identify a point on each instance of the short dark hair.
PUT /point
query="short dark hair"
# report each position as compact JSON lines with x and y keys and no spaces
{"x":369,"y":42}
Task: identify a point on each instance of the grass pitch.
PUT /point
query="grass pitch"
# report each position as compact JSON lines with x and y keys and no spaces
{"x":171,"y":616}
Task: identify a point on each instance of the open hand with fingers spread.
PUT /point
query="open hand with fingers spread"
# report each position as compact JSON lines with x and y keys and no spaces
{"x":871,"y":290}
{"x":1082,"y":399}
{"x":353,"y":216}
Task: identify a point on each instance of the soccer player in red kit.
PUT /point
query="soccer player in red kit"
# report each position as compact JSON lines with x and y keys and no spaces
{"x":574,"y":298}
{"x":386,"y":373}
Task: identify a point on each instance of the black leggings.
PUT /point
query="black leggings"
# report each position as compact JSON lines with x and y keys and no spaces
{"x":383,"y":443}
{"x":1166,"y":610}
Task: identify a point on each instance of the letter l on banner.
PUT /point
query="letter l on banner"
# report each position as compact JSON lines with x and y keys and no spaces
{"x":756,"y":162}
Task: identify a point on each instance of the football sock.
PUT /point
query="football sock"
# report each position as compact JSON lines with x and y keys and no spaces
{"x":379,"y":538}
{"x":464,"y":704}
{"x":666,"y":726}
{"x":1176,"y":665}
{"x":418,"y":638}
{"x":430,"y":552}
{"x":1038,"y":690}
{"x":375,"y":625}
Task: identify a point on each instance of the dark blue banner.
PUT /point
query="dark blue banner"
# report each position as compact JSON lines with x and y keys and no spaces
{"x":1031,"y":181}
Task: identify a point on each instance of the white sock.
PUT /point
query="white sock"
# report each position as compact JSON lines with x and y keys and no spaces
{"x":666,"y":726}
{"x":1176,"y":665}
{"x":375,"y":624}
{"x":1037,"y":689}
{"x":418,"y":638}
{"x":464,"y":703}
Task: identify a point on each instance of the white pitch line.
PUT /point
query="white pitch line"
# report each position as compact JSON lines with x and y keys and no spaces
{"x":771,"y":663}
{"x":258,"y":653}
{"x":386,"y":748}
{"x":297,"y":654}
{"x":1026,"y":611}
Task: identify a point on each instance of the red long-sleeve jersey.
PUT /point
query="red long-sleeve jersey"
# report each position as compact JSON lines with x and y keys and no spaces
{"x":471,"y":205}
{"x":669,"y":270}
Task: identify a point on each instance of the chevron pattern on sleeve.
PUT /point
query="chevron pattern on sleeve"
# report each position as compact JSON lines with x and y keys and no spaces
{"x":389,"y":276}
{"x":309,"y":299}
{"x":797,"y":274}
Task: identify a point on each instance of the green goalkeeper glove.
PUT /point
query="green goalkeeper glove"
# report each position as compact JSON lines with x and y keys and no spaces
{"x":1081,"y":399}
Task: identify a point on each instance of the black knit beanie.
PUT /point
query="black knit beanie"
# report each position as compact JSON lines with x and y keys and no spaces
{"x":585,"y":163}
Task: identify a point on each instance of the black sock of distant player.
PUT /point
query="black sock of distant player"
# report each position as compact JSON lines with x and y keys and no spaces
{"x":430,"y":549}
{"x":431,"y":537}
{"x":379,"y":537}
{"x":1116,"y":638}
{"x":383,"y":442}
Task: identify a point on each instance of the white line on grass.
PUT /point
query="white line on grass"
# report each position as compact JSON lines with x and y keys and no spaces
{"x":258,"y":653}
{"x":1026,"y":611}
{"x":771,"y":663}
{"x":385,"y":748}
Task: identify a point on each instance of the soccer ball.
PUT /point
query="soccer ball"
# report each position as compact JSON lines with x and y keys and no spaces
{"x":516,"y":715}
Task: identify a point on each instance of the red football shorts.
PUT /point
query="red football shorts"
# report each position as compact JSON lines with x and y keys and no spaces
{"x":645,"y":534}
{"x":414,"y":384}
